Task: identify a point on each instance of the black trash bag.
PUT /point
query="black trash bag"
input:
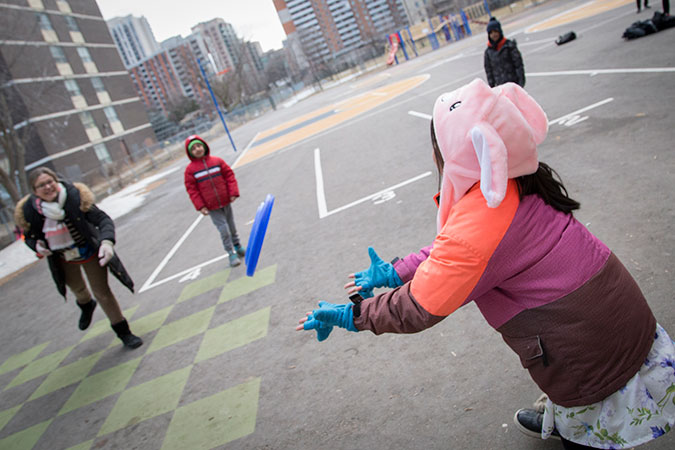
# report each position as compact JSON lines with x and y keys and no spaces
{"x":639,"y":29}
{"x":662,"y":21}
{"x":565,"y":38}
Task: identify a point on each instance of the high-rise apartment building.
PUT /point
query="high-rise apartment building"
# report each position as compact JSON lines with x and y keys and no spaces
{"x":184,"y":54}
{"x":416,"y":10}
{"x":65,"y":89}
{"x":156,"y":83}
{"x":134,"y":39}
{"x":335,"y":31}
{"x":220,"y":41}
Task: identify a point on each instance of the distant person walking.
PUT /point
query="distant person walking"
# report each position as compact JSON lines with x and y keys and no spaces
{"x":212,"y":187}
{"x":639,"y":5}
{"x":61,"y":221}
{"x":503,"y":61}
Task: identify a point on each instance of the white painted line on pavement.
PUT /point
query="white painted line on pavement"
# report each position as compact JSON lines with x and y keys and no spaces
{"x":420,"y":115}
{"x":573,"y":117}
{"x":384,"y":194}
{"x":593,"y":72}
{"x":246,"y":149}
{"x":568,"y":119}
{"x":447,"y":60}
{"x":148,"y":284}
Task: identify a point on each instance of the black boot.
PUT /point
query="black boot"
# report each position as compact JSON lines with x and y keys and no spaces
{"x":87,"y":313}
{"x":125,"y":335}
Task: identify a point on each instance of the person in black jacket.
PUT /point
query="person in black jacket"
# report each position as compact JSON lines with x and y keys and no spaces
{"x":503,"y":62}
{"x":61,"y":221}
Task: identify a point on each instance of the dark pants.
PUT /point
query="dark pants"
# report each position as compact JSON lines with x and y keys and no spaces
{"x":666,"y":6}
{"x":98,"y":282}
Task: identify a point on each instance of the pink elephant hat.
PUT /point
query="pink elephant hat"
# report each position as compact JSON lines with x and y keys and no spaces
{"x":488,"y":135}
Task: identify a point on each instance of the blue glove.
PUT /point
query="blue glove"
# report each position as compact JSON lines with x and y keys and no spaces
{"x":327,"y":316}
{"x":379,"y":274}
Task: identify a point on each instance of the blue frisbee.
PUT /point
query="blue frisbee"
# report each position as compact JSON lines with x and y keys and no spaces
{"x":255,"y":240}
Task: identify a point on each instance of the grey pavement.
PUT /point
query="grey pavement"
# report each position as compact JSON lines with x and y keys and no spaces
{"x":454,"y":386}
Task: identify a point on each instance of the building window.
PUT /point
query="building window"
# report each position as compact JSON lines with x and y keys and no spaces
{"x":90,"y":127}
{"x":45,"y":24}
{"x":61,"y":62}
{"x":102,"y":153}
{"x":87,"y":120}
{"x":115,"y":123}
{"x":84,"y":54}
{"x":75,"y":34}
{"x":97,"y":84}
{"x":72,"y":87}
{"x":75,"y":94}
{"x":58,"y":55}
{"x":48,"y":33}
{"x":72,"y":25}
{"x":88,"y":63}
{"x":111,"y":114}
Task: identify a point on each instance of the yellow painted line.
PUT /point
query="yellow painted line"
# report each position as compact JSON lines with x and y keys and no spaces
{"x":290,"y":123}
{"x":344,"y":110}
{"x":582,"y":12}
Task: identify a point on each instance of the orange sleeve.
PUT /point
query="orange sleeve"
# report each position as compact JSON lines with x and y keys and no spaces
{"x":460,"y":254}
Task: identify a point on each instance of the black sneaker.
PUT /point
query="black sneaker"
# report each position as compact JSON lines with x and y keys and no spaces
{"x":529,"y":422}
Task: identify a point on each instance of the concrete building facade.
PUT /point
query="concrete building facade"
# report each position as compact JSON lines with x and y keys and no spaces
{"x":133,"y":38}
{"x":335,"y":31}
{"x":66,"y":87}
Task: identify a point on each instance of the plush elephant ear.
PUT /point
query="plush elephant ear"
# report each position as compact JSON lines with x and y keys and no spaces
{"x":491,"y":154}
{"x":533,"y":114}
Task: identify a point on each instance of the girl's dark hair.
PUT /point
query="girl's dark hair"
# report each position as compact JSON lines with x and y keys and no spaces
{"x":545,"y":182}
{"x":438,"y":156}
{"x":35,"y":173}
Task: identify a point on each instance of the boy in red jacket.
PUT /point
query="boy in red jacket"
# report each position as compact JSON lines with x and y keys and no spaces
{"x":212,"y":187}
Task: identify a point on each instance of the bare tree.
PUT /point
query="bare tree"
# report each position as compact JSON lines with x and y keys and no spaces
{"x":242,"y":81}
{"x":16,"y":126}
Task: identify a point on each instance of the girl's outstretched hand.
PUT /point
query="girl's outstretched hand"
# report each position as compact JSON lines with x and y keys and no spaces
{"x":379,"y":274}
{"x":326,"y":317}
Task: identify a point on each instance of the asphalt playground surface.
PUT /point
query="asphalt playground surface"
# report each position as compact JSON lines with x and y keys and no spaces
{"x":222,"y":365}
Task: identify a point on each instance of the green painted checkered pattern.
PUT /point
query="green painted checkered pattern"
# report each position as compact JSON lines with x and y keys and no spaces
{"x":211,"y":421}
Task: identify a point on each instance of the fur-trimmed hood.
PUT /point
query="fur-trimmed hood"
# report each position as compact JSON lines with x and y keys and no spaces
{"x":87,"y":199}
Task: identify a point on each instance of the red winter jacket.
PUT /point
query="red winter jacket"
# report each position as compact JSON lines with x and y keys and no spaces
{"x":209,"y":181}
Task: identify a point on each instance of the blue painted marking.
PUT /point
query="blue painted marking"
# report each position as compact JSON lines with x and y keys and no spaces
{"x":295,"y":127}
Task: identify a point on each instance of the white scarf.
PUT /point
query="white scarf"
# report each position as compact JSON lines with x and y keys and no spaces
{"x":54,"y":210}
{"x":57,"y":234}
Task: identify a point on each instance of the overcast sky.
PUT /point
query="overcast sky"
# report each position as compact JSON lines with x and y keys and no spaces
{"x":253,"y":20}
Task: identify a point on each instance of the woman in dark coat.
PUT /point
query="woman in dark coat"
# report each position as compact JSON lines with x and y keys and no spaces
{"x":61,"y":221}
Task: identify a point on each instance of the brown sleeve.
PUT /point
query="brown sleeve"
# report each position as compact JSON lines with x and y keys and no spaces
{"x":395,"y":311}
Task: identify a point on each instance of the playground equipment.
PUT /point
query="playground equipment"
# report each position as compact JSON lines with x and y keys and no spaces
{"x":434,"y":32}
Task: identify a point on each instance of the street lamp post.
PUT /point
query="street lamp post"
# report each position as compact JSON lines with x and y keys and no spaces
{"x":215,"y":102}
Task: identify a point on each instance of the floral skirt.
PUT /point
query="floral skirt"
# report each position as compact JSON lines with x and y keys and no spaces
{"x":642,"y":410}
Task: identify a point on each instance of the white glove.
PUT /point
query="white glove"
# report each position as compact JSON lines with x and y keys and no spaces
{"x":105,"y":253}
{"x":42,"y":249}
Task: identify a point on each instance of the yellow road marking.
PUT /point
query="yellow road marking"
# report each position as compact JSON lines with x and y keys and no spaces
{"x":343,"y":110}
{"x":586,"y":10}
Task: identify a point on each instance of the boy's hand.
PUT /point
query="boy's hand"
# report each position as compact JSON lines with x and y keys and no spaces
{"x":232,"y":199}
{"x":204,"y":211}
